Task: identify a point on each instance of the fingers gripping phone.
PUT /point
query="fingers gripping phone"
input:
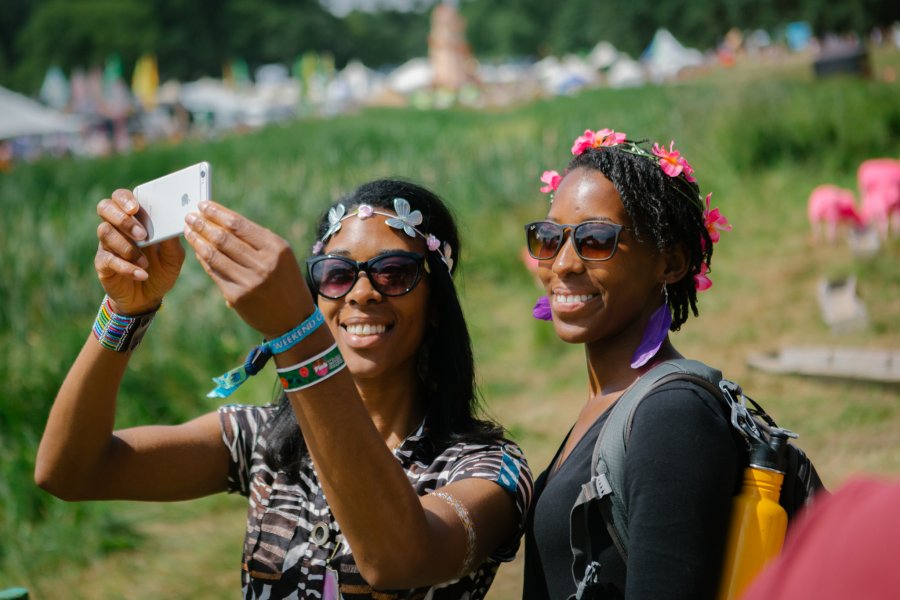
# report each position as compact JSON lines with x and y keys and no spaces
{"x":164,"y":202}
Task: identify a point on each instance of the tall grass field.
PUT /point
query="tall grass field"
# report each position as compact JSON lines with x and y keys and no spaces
{"x":759,"y":141}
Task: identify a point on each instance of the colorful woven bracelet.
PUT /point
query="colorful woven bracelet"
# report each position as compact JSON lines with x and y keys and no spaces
{"x":119,"y":332}
{"x":466,"y":519}
{"x":312,"y":371}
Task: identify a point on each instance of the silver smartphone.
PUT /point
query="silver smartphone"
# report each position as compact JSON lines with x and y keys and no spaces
{"x":164,"y":202}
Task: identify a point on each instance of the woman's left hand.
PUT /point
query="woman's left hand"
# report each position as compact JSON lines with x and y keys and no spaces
{"x":255,"y":269}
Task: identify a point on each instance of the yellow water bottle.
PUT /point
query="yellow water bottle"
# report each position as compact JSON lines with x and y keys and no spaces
{"x":758,"y":522}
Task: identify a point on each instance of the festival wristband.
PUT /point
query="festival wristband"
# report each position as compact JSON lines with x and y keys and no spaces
{"x":297,"y":334}
{"x":312,"y":371}
{"x":120,"y":333}
{"x":257,"y":358}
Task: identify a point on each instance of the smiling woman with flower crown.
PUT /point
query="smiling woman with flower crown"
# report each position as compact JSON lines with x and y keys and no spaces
{"x":624,"y":249}
{"x":371,"y":477}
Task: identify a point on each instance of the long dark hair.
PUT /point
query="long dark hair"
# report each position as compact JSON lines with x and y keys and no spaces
{"x":664,"y":211}
{"x":446,"y":367}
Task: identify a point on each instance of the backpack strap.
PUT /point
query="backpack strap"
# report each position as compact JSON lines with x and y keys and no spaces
{"x":602,"y":497}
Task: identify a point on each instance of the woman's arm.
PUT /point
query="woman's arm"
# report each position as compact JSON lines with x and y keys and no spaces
{"x":399,"y":540}
{"x":80,"y":457}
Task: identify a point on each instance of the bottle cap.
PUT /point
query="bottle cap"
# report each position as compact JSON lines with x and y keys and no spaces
{"x":769,"y":455}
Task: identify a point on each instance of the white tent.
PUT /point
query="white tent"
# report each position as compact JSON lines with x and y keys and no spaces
{"x":665,"y":57}
{"x":603,"y":56}
{"x":22,"y":116}
{"x":356,"y":83}
{"x":208,"y":97}
{"x":625,"y":72}
{"x":564,"y":76}
{"x":414,"y":75}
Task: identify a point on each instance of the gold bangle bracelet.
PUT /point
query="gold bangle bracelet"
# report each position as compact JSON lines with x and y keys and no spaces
{"x":466,"y":519}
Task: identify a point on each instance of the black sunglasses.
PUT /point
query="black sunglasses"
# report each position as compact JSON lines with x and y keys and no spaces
{"x":391,"y":274}
{"x":593,"y":240}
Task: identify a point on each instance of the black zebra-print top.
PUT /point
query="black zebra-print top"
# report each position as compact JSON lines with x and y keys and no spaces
{"x":293,"y":543}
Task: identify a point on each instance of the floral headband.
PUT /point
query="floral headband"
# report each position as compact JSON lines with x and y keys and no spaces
{"x":672,"y":164}
{"x":405,"y":220}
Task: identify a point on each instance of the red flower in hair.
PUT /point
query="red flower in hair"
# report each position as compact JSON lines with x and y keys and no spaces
{"x":552,"y":179}
{"x":596,"y":139}
{"x":714,"y":221}
{"x":701,"y":281}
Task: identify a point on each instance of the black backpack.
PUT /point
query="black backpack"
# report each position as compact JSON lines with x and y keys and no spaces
{"x":602,"y":496}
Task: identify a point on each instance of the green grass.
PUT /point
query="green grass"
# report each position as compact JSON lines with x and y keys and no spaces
{"x":759,"y":144}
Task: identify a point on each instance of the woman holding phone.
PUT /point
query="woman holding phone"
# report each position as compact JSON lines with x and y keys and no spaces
{"x":371,"y":476}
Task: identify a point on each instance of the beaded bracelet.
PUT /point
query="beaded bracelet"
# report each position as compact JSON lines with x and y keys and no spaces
{"x":257,"y":358}
{"x":312,"y":371}
{"x":120,"y":333}
{"x":466,"y":519}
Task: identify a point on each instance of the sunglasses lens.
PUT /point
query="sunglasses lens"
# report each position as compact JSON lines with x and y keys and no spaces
{"x":333,"y":277}
{"x":543,"y":239}
{"x":596,"y":241}
{"x":390,"y":274}
{"x":394,"y":274}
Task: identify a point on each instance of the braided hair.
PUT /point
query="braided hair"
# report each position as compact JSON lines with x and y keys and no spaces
{"x":664,"y":211}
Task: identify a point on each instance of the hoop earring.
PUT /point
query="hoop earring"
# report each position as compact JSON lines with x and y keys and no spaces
{"x":654,"y":334}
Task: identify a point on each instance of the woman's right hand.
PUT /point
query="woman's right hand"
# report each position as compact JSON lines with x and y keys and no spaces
{"x":135,"y":279}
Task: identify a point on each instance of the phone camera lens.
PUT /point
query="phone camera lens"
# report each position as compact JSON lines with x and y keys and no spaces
{"x":202,"y":173}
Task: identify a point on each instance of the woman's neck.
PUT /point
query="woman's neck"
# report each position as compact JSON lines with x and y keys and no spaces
{"x":609,"y":368}
{"x":394,"y":404}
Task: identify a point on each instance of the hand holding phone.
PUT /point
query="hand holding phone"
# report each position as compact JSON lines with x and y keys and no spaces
{"x":164,"y":202}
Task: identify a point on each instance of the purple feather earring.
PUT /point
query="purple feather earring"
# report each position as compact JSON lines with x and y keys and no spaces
{"x":541,"y":309}
{"x":655,"y":333}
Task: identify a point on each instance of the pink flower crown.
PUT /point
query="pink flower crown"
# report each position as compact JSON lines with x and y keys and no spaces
{"x":672,"y":164}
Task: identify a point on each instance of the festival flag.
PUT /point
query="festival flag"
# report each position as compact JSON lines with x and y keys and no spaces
{"x":145,"y":81}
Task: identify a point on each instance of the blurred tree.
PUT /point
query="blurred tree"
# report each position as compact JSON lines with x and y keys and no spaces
{"x":755,"y":14}
{"x":14,"y":15}
{"x":580,"y":24}
{"x":503,"y":28}
{"x":192,"y":38}
{"x":883,"y":13}
{"x":195,"y":38}
{"x":265,"y":31}
{"x":384,"y":38}
{"x":527,"y":27}
{"x":703,"y":25}
{"x":82,"y":34}
{"x":839,"y":17}
{"x":577,"y":25}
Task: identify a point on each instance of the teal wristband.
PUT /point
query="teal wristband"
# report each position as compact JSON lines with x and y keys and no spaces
{"x":257,"y":358}
{"x":297,"y":334}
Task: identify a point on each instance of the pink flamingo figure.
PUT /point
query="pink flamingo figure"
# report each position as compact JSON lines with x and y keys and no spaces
{"x":829,"y":208}
{"x":879,"y":188}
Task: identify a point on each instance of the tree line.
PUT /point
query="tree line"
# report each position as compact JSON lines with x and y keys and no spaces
{"x":192,"y":39}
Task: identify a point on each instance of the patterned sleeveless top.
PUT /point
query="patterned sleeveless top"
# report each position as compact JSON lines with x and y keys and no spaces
{"x":293,"y":544}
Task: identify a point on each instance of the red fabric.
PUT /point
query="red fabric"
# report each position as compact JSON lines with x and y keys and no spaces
{"x":846,"y":546}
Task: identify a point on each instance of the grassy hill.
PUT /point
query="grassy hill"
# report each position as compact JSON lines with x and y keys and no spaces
{"x":759,"y":140}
